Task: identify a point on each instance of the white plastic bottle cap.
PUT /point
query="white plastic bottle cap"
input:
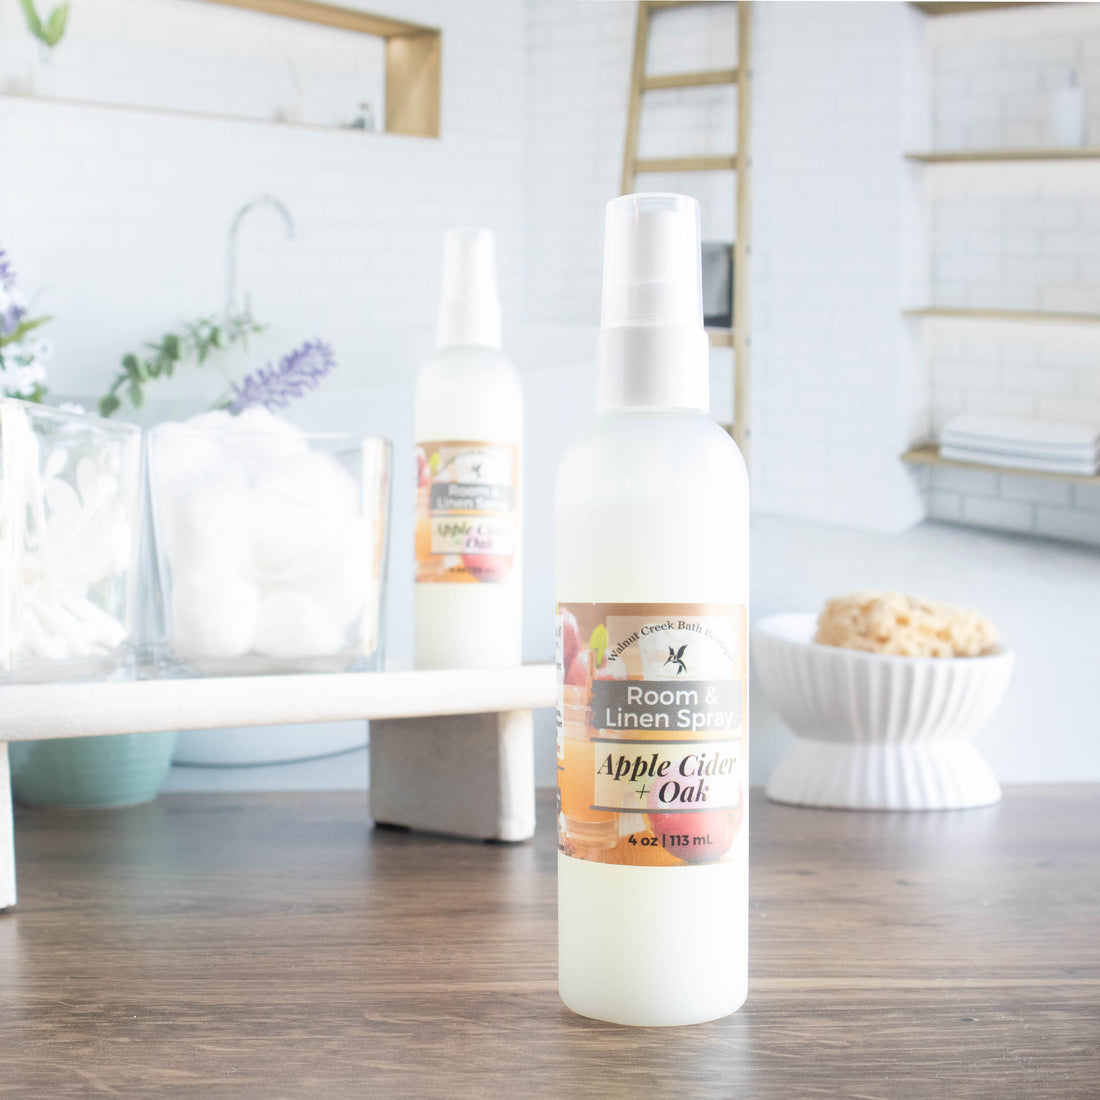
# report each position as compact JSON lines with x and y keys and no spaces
{"x":469,"y":312}
{"x":652,"y":350}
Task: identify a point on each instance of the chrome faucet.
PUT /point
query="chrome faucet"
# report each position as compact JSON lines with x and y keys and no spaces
{"x":231,"y":250}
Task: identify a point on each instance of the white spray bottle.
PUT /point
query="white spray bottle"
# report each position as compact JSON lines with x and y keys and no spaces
{"x":652,"y":587}
{"x":468,"y":432}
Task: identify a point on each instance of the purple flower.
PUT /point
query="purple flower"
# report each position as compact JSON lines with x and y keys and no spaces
{"x":11,"y":318}
{"x":298,"y":372}
{"x":12,"y":310}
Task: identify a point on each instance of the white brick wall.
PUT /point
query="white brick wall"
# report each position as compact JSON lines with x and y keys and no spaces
{"x":1015,"y":236}
{"x":995,"y":70}
{"x":838,"y":393}
{"x":164,"y":53}
{"x":119,"y":219}
{"x":579,"y":64}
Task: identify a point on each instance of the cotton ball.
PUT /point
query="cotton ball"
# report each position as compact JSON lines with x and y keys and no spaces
{"x":340,"y":582}
{"x":214,"y":613}
{"x":209,"y":525}
{"x":292,"y":625}
{"x":186,"y":452}
{"x":301,"y":509}
{"x":286,"y":536}
{"x":216,"y":420}
{"x":258,"y":439}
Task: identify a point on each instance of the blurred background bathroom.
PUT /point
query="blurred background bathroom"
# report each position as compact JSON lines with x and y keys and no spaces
{"x":920,"y":240}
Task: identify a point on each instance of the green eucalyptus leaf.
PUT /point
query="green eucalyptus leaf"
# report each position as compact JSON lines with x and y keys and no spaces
{"x":34,"y":24}
{"x":108,"y":405}
{"x":22,"y":329}
{"x":55,"y":25}
{"x":137,"y":398}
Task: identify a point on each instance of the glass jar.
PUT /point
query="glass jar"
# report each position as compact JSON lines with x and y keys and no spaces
{"x":270,"y":547}
{"x":70,"y":511}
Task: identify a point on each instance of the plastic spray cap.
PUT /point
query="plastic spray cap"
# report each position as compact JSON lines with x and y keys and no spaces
{"x":653,"y":350}
{"x":469,"y":312}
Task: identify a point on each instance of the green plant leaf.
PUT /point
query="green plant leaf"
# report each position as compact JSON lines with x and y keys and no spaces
{"x":199,"y":338}
{"x":598,"y":643}
{"x":55,"y":25}
{"x":34,"y":24}
{"x":22,"y":329}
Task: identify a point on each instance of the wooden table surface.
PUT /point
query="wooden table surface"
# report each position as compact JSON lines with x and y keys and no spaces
{"x":276,"y":945}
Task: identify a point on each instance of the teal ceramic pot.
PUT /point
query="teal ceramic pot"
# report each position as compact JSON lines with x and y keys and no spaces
{"x":83,"y":773}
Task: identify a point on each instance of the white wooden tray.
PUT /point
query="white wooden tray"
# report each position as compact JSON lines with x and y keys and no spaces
{"x":472,"y":777}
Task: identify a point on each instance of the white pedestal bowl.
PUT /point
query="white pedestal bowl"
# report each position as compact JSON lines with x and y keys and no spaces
{"x":877,"y":732}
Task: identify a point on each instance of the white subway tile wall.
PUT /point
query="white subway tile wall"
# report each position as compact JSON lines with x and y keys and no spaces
{"x":1022,"y":236}
{"x":994,"y":72}
{"x":839,"y":390}
{"x":117,"y":219}
{"x":184,"y":56}
{"x":579,"y":66}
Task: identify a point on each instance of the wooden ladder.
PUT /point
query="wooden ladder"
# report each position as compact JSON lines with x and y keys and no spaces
{"x":736,"y":337}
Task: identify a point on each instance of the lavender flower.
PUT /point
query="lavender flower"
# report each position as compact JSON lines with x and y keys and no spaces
{"x":298,"y":372}
{"x":22,"y":355}
{"x":12,"y":309}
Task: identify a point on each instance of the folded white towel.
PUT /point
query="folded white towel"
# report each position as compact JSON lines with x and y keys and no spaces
{"x":987,"y":457}
{"x":1084,"y":453}
{"x":1030,"y":436}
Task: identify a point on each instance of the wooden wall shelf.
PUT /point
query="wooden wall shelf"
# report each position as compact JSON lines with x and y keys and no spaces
{"x":1004,"y":315}
{"x":331,"y":15}
{"x":962,"y":7}
{"x":975,"y":156}
{"x":183,"y":112}
{"x":929,"y":455}
{"x":414,"y":58}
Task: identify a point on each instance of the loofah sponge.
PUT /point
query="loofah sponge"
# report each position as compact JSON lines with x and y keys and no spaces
{"x":906,"y":626}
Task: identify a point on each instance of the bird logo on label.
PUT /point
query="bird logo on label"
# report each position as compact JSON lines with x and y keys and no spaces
{"x":676,"y":658}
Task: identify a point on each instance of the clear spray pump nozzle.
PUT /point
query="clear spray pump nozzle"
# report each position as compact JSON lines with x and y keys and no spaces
{"x":469,"y":312}
{"x":651,"y":273}
{"x":652,"y":350}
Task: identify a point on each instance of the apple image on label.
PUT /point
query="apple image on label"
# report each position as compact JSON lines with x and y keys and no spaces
{"x":423,"y":469}
{"x":611,"y":669}
{"x":710,"y":833}
{"x":481,"y":566}
{"x":576,"y":670}
{"x":570,"y":640}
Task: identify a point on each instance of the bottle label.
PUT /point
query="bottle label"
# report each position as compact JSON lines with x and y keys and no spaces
{"x":652,"y":732}
{"x":466,"y":517}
